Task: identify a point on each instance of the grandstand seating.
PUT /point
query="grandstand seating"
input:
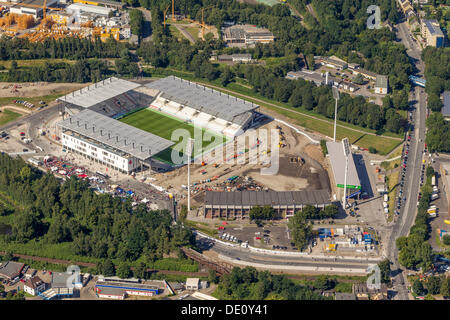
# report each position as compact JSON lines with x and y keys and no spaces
{"x":117,"y":106}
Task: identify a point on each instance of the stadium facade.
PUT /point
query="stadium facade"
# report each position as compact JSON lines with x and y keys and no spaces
{"x":93,"y":130}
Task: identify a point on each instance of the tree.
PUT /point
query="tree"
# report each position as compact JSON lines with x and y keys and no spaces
{"x":123,"y":270}
{"x":301,"y":230}
{"x":212,"y":276}
{"x":140,"y":271}
{"x":107,"y":268}
{"x":434,"y":285}
{"x":446,"y":239}
{"x":323,"y":283}
{"x":418,"y":287}
{"x":385,"y":269}
{"x":445,"y":289}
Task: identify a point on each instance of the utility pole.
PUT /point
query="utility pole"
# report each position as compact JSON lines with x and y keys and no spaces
{"x":336,"y":97}
{"x":173,"y":10}
{"x":347,"y":152}
{"x":190,"y":143}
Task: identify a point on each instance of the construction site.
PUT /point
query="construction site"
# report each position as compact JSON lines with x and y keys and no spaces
{"x":37,"y":20}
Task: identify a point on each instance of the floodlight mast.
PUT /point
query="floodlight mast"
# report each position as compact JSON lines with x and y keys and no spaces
{"x":346,"y":147}
{"x":190,"y":143}
{"x":336,"y":97}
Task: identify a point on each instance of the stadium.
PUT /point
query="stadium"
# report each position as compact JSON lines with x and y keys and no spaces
{"x":128,"y":126}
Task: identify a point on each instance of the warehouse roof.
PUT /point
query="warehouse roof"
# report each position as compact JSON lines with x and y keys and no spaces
{"x":204,"y":99}
{"x":11,"y":269}
{"x":446,"y":108}
{"x":433,"y":27}
{"x":99,"y":92}
{"x":121,"y":136}
{"x":337,"y":159}
{"x":271,"y":198}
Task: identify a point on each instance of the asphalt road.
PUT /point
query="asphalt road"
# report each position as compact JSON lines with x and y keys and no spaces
{"x":408,"y":209}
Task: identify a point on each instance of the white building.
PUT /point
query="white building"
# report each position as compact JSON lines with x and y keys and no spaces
{"x":82,"y":8}
{"x":192,"y":283}
{"x":34,"y":286}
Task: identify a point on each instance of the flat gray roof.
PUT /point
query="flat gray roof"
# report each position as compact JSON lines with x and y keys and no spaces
{"x":11,"y":269}
{"x":381,"y":81}
{"x":446,"y":108}
{"x":270,"y":198}
{"x":121,"y":136}
{"x":337,"y":159}
{"x":204,"y":99}
{"x":99,"y":92}
{"x":433,"y":27}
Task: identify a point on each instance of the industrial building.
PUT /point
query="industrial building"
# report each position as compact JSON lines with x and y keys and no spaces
{"x":446,"y":108}
{"x":237,"y":204}
{"x":87,"y":8}
{"x":432,"y":33}
{"x":337,"y":159}
{"x":243,"y":35}
{"x":332,"y":62}
{"x":34,"y":8}
{"x":203,"y":107}
{"x":320,"y":79}
{"x":119,"y":290}
{"x":381,"y":84}
{"x":109,"y":4}
{"x":10,"y":269}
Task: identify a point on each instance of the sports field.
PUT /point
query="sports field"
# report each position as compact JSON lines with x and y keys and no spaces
{"x":163,"y":126}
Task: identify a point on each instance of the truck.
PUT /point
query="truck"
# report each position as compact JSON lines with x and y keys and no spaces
{"x":433,"y":180}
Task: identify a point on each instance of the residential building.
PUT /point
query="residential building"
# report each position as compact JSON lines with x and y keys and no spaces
{"x":34,"y":286}
{"x":432,"y":33}
{"x":446,"y":108}
{"x":381,"y":84}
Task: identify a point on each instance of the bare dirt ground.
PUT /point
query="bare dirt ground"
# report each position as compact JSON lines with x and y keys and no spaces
{"x":301,"y":166}
{"x":37,"y":89}
{"x":17,"y":109}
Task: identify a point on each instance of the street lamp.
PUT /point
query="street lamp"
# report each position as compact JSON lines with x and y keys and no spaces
{"x":336,"y":97}
{"x":346,"y":147}
{"x":190,"y":143}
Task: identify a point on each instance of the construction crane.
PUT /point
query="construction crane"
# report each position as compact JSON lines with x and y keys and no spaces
{"x":43,"y":7}
{"x":165,"y":12}
{"x":203,"y":20}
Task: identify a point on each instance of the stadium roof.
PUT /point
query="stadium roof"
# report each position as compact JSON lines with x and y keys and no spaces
{"x":204,"y":99}
{"x":446,"y":108}
{"x":99,"y":92}
{"x":121,"y":136}
{"x":337,"y":159}
{"x":271,"y":198}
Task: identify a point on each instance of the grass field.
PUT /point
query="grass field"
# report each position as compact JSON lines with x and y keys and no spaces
{"x":163,"y":126}
{"x":7,"y":116}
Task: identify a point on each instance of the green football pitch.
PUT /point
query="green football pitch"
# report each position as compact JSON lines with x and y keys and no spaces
{"x":163,"y":126}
